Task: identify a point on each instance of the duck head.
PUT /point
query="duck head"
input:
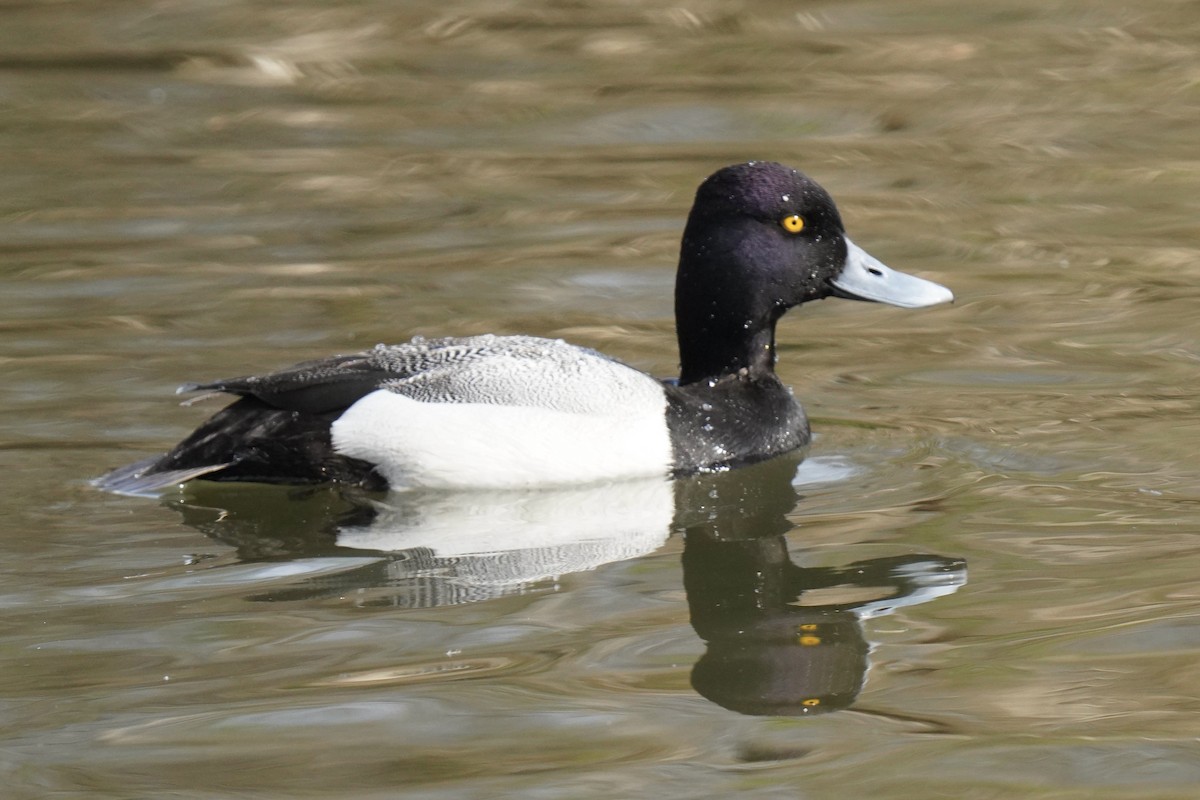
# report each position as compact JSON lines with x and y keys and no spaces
{"x":761,"y":238}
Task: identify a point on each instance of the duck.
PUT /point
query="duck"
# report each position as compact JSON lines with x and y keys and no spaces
{"x":499,"y":412}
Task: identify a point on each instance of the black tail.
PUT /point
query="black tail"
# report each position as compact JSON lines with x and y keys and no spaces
{"x":249,"y":440}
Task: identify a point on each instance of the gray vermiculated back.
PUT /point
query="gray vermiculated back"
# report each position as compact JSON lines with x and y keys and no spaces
{"x":514,"y":370}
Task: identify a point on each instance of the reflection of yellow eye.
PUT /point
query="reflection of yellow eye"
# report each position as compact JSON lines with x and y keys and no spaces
{"x":808,"y":640}
{"x":793,"y":223}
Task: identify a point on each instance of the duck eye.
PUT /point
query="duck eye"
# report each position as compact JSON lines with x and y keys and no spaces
{"x":792,"y":223}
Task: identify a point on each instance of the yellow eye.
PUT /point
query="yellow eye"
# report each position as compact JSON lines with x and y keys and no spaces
{"x":793,"y":223}
{"x":811,"y":702}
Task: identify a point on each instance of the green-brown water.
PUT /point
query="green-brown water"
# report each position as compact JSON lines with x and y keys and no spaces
{"x":193,"y":191}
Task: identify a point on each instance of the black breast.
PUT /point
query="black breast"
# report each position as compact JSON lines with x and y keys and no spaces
{"x":736,"y":420}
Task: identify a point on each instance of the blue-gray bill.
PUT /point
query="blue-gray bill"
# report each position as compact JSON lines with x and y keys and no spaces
{"x":867,"y":278}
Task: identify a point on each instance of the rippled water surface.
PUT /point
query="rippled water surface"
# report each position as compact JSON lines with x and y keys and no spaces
{"x":980,"y":584}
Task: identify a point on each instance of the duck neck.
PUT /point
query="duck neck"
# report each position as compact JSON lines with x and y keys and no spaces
{"x":716,"y":346}
{"x":726,"y":301}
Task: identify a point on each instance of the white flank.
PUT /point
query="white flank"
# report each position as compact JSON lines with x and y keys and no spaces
{"x":461,"y":445}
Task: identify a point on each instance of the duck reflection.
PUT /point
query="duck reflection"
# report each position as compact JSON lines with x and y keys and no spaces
{"x":781,"y":638}
{"x":435,"y":548}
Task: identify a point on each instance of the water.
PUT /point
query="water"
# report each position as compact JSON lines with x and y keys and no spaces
{"x":997,"y":523}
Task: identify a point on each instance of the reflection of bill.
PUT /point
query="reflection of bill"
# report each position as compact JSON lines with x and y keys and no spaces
{"x":783,"y":639}
{"x":771,"y":653}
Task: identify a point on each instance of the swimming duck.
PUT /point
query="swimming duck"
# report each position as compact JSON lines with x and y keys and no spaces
{"x":509,"y":411}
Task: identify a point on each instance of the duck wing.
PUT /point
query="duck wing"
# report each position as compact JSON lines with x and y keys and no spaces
{"x":494,"y":370}
{"x":515,"y":371}
{"x":312,"y":387}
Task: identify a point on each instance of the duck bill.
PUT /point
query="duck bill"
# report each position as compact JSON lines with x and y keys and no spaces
{"x":864,"y":277}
